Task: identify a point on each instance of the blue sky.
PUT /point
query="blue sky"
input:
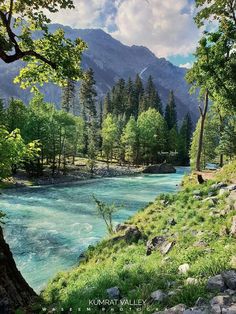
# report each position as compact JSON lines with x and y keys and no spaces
{"x":166,"y":27}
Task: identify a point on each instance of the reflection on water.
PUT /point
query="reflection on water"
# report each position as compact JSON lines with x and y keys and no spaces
{"x":48,"y":227}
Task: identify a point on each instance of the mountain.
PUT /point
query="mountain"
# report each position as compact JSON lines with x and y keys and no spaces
{"x":111,"y":60}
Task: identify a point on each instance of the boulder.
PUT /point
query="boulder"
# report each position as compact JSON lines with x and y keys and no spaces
{"x":233,"y":227}
{"x":216,"y":283}
{"x":229,"y":277}
{"x":221,"y":300}
{"x":154,"y":244}
{"x":178,"y":309}
{"x":158,"y":296}
{"x":184,"y":268}
{"x":166,"y":247}
{"x":191,"y":281}
{"x":218,"y":186}
{"x":132,"y":234}
{"x":113,"y":293}
{"x":159,"y":169}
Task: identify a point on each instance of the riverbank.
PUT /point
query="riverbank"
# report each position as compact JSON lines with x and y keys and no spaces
{"x":74,"y":173}
{"x":178,"y":253}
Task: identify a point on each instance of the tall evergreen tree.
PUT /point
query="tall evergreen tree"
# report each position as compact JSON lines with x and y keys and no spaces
{"x":107,"y":108}
{"x":152,"y":95}
{"x":88,"y":95}
{"x":170,"y":111}
{"x":138,"y":93}
{"x":2,"y":113}
{"x":118,"y":98}
{"x":68,"y":96}
{"x":129,"y":99}
{"x":184,"y":142}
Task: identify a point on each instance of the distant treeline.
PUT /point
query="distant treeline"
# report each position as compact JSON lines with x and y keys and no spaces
{"x":129,"y":126}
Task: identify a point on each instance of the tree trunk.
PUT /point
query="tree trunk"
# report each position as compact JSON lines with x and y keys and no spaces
{"x":200,"y":142}
{"x":14,"y":290}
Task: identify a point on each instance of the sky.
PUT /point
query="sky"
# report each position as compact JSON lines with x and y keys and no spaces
{"x":166,"y":27}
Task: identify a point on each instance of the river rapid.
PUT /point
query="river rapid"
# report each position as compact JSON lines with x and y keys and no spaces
{"x":48,"y":228}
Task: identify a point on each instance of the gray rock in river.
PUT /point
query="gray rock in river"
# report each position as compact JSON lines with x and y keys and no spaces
{"x":159,"y":169}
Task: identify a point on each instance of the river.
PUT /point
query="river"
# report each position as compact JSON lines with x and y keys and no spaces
{"x":48,"y":228}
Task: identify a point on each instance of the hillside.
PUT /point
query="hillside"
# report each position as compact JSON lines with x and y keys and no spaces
{"x":164,"y":255}
{"x":111,"y":60}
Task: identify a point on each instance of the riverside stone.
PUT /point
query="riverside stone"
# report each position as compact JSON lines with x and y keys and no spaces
{"x":113,"y":293}
{"x":162,"y":168}
{"x":229,"y":277}
{"x":216,"y":283}
{"x":184,"y":268}
{"x":158,"y":296}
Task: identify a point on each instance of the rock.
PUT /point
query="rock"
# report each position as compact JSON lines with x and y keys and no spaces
{"x":197,"y":197}
{"x":166,"y":247}
{"x":197,"y":192}
{"x":191,"y":281}
{"x":162,"y":168}
{"x":218,"y":186}
{"x":113,"y":293}
{"x":216,"y":283}
{"x":233,"y":227}
{"x":231,"y":309}
{"x":158,"y":296}
{"x":223,"y":191}
{"x":197,"y":310}
{"x":216,"y":309}
{"x":121,"y":227}
{"x":154,"y":244}
{"x":184,"y":268}
{"x":212,"y":200}
{"x":220,"y":300}
{"x":233,"y":262}
{"x":229,"y":277}
{"x":201,"y":302}
{"x":231,"y":187}
{"x":132,"y":235}
{"x":172,"y":222}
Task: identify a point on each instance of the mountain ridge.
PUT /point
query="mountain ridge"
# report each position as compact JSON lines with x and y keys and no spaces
{"x":112,"y":60}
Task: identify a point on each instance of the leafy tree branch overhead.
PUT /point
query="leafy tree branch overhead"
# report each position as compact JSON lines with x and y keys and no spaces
{"x":52,"y":57}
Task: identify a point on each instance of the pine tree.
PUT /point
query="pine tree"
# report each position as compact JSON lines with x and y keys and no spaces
{"x":118,"y":98}
{"x":68,"y":96}
{"x":2,"y":113}
{"x":138,"y":93}
{"x":152,"y":95}
{"x":88,"y":95}
{"x":130,"y":99}
{"x":184,"y":141}
{"x":107,"y":108}
{"x":170,"y":111}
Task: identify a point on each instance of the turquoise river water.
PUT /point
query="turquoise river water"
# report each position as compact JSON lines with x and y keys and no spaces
{"x":47,"y":228}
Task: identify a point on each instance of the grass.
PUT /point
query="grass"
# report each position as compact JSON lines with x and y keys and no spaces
{"x":126,"y":266}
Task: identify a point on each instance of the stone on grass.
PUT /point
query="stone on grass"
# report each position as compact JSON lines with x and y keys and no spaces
{"x":191,"y":281}
{"x":166,"y":247}
{"x":184,"y":268}
{"x":172,"y":222}
{"x":154,"y":244}
{"x":223,"y":191}
{"x":233,"y":227}
{"x":229,"y":277}
{"x":113,"y":293}
{"x":158,"y":296}
{"x":231,"y":187}
{"x":216,"y":283}
{"x":218,"y":186}
{"x":132,"y":234}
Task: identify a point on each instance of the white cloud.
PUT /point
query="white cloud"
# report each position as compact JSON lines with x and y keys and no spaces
{"x":166,"y":27}
{"x":187,"y":65}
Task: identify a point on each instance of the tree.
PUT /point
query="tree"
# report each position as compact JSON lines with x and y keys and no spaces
{"x":138,"y":93}
{"x":106,"y":211}
{"x":170,"y":112}
{"x":118,"y":98}
{"x":15,"y":114}
{"x":13,"y":151}
{"x":152,"y":134}
{"x":227,"y":144}
{"x":184,"y":140}
{"x":107,"y":105}
{"x":68,"y":96}
{"x":2,"y":113}
{"x":88,"y":95}
{"x":109,"y":136}
{"x":52,"y":57}
{"x":153,"y":98}
{"x":129,"y":140}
